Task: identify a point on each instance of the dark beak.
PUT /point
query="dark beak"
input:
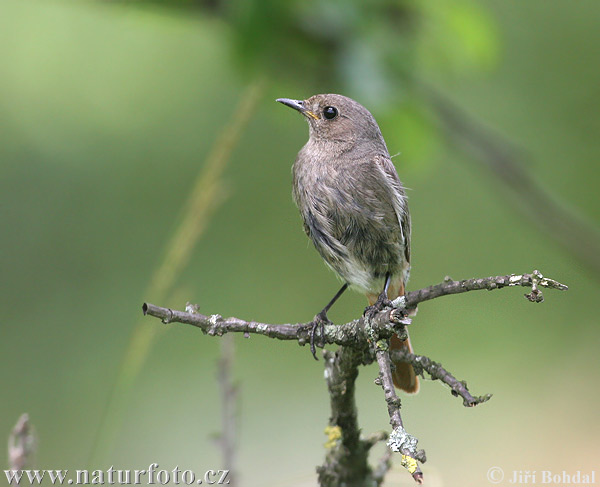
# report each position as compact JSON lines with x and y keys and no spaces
{"x":297,"y":105}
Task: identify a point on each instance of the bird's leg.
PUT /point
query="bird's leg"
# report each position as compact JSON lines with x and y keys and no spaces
{"x":382,"y":300}
{"x":320,"y":320}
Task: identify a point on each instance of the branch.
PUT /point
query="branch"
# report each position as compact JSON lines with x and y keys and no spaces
{"x":22,"y":445}
{"x":207,"y":193}
{"x":535,"y":280}
{"x":437,"y":372}
{"x":383,"y":325}
{"x":361,"y":342}
{"x":346,"y":462}
{"x":383,"y":467}
{"x":399,"y":441}
{"x":229,"y":401}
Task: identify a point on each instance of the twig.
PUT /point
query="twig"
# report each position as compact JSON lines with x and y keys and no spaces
{"x":437,"y":372}
{"x":229,"y":400}
{"x":534,"y":280}
{"x":383,"y":467}
{"x":385,"y":462}
{"x":383,"y":325}
{"x":22,"y":445}
{"x":391,"y":398}
{"x":205,"y":197}
{"x":399,"y":441}
{"x":363,"y":341}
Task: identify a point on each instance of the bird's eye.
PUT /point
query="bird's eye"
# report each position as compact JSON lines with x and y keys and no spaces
{"x":330,"y":113}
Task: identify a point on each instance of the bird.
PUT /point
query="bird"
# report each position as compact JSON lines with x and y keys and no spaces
{"x":354,"y":208}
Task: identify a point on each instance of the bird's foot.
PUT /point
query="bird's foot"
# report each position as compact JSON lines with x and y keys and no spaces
{"x":318,"y":322}
{"x":379,"y":305}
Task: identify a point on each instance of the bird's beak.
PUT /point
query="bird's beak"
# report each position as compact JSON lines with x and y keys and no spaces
{"x":297,"y":105}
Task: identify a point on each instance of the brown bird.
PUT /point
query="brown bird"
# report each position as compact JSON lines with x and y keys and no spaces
{"x":354,"y":207}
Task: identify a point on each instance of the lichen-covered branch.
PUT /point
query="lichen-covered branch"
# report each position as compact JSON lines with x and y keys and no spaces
{"x":382,"y":325}
{"x":535,"y":280}
{"x":399,"y":441}
{"x":346,"y":462}
{"x":363,"y":341}
{"x":437,"y":372}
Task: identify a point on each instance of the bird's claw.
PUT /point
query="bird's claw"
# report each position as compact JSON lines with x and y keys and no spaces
{"x":319,"y":321}
{"x":379,"y":305}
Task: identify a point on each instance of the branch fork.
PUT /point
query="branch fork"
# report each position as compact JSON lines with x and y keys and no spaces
{"x":362,"y":342}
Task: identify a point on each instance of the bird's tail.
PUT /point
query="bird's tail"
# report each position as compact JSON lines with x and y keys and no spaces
{"x":404,"y":374}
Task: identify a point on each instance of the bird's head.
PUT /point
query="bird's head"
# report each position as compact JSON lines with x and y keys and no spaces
{"x":337,"y":118}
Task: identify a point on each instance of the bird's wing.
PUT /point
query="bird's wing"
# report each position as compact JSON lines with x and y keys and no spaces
{"x":399,"y":199}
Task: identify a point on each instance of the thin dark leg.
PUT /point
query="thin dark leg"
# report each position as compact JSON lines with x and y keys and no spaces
{"x":321,"y":319}
{"x":333,"y":300}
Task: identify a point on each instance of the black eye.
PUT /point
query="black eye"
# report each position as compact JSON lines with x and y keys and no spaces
{"x":330,"y":113}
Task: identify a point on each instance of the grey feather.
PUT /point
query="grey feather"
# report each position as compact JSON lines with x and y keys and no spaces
{"x":350,"y":196}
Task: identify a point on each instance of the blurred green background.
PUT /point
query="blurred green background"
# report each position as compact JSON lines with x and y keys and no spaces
{"x":109,"y":112}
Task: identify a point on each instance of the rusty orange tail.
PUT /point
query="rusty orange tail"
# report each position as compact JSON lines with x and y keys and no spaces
{"x":403,"y":373}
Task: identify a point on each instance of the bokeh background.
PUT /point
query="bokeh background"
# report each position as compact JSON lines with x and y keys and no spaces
{"x":111,"y":112}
